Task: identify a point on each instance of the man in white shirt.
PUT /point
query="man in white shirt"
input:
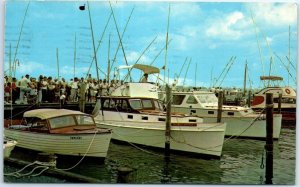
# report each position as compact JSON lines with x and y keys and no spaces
{"x":24,"y":87}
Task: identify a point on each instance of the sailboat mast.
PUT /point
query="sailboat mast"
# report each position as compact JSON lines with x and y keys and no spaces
{"x":289,"y":54}
{"x":108,"y":61}
{"x":57,"y":63}
{"x":196,"y":75}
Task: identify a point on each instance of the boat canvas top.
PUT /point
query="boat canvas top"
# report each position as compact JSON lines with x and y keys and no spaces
{"x":271,"y":78}
{"x":147,"y":69}
{"x":51,"y":113}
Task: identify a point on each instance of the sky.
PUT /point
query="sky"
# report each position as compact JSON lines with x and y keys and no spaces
{"x":209,"y":42}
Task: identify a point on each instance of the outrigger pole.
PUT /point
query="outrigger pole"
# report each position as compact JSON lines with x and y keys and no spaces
{"x":74,"y":56}
{"x":112,"y":11}
{"x":99,"y":44}
{"x":15,"y":56}
{"x":167,"y":39}
{"x":95,"y":54}
{"x":187,"y":70}
{"x":115,"y":56}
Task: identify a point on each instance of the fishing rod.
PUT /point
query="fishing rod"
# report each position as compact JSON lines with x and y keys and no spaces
{"x":177,"y":78}
{"x":120,"y":39}
{"x":125,"y":28}
{"x":17,"y":47}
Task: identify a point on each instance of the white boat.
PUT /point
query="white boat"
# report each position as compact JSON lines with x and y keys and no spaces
{"x":61,"y":132}
{"x":241,"y":121}
{"x":288,"y":100}
{"x":135,"y":115}
{"x":8,"y":146}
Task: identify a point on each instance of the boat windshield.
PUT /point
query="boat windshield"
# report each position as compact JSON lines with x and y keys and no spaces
{"x":135,"y":104}
{"x":66,"y":121}
{"x":84,"y":120}
{"x":62,"y":121}
{"x":209,"y":99}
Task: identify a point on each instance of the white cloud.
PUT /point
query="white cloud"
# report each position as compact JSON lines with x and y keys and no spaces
{"x":133,"y":56}
{"x":229,"y":27}
{"x":276,"y":14}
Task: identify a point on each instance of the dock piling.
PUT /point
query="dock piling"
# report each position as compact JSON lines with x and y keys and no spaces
{"x":168,"y":121}
{"x":220,"y":104}
{"x":269,"y":138}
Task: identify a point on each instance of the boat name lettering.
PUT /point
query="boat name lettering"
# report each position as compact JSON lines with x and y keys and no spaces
{"x":75,"y":138}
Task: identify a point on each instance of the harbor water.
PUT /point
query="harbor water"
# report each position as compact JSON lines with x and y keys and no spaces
{"x":242,"y":162}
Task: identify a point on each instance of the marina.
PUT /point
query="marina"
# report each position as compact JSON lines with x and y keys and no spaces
{"x":104,"y":92}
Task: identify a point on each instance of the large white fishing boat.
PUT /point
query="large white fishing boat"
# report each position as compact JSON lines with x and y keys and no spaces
{"x":241,"y":121}
{"x":135,"y":115}
{"x":62,"y":132}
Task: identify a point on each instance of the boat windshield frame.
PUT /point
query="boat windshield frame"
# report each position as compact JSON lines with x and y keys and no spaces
{"x":70,"y":120}
{"x":203,"y":98}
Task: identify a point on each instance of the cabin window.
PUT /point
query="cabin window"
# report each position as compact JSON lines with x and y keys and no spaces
{"x":84,"y":120}
{"x":192,"y":120}
{"x":210,"y":112}
{"x":177,"y":99}
{"x":230,"y":113}
{"x":135,"y":103}
{"x":147,"y":103}
{"x":210,"y":99}
{"x":130,"y":116}
{"x":144,"y":117}
{"x":62,"y":121}
{"x":191,"y":100}
{"x":161,"y":119}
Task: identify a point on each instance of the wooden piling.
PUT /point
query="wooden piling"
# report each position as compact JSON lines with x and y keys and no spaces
{"x":82,"y":96}
{"x":168,"y":121}
{"x":220,"y":104}
{"x":269,"y":138}
{"x":249,"y":99}
{"x":279,"y":103}
{"x":125,"y":175}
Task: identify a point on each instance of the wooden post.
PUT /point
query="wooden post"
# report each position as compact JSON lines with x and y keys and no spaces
{"x":249,"y":99}
{"x":269,"y":138}
{"x":82,"y":96}
{"x":279,"y":103}
{"x":220,"y":104}
{"x":168,"y":121}
{"x":125,"y":175}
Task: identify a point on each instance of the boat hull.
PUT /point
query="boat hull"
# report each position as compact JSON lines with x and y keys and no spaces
{"x":203,"y":139}
{"x":8,"y":147}
{"x":89,"y":145}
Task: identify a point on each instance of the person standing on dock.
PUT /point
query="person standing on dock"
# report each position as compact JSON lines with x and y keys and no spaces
{"x":74,"y":90}
{"x":24,"y":88}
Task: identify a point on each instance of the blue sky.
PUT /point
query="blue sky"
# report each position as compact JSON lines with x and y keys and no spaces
{"x":208,"y":34}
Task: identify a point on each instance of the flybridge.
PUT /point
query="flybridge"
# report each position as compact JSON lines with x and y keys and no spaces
{"x":136,"y":89}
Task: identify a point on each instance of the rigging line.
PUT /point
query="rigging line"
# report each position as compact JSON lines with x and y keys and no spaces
{"x":99,"y":44}
{"x":15,"y":56}
{"x":167,"y":39}
{"x":125,"y":28}
{"x":160,"y":52}
{"x":291,"y":63}
{"x":223,"y":71}
{"x":176,"y":80}
{"x":286,"y":67}
{"x":120,"y":39}
{"x":258,"y":45}
{"x":229,"y":66}
{"x":140,"y":57}
{"x":187,"y":69}
{"x":94,"y":47}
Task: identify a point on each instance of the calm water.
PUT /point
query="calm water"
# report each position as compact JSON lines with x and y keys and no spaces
{"x":240,"y":164}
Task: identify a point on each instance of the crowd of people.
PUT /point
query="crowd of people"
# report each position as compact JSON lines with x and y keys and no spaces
{"x":31,"y":90}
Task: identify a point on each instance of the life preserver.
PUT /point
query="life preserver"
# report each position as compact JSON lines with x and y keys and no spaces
{"x":288,"y":91}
